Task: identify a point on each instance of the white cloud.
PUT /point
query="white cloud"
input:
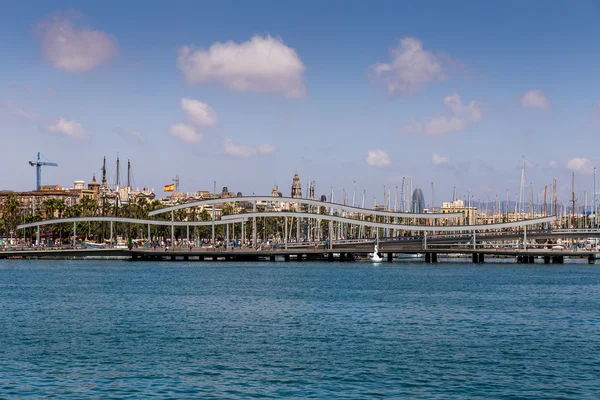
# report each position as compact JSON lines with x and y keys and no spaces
{"x":72,"y":48}
{"x":581,"y":164}
{"x":238,"y":150}
{"x":437,"y":160}
{"x":186,"y":133}
{"x":409,"y":69}
{"x":553,"y":164}
{"x":265,"y":148}
{"x":262,"y":64}
{"x":245,"y":151}
{"x":132,"y":134}
{"x":198,"y":113}
{"x":463,"y":116}
{"x":72,"y":129}
{"x":378,"y":158}
{"x":534,"y":99}
{"x":472,"y":111}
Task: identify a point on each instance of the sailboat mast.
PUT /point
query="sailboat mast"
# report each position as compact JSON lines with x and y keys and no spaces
{"x":573,"y":199}
{"x":545,"y":209}
{"x":128,"y":173}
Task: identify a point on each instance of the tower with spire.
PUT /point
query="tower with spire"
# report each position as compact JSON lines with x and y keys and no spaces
{"x":296,"y":187}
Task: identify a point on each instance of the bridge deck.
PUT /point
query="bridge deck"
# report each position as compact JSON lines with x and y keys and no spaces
{"x":314,"y":253}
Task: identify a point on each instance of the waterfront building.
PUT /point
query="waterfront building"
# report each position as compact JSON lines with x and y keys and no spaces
{"x":469,"y":213}
{"x":418,"y":201}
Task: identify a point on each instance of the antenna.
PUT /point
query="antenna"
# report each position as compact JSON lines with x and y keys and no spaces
{"x":432,"y":198}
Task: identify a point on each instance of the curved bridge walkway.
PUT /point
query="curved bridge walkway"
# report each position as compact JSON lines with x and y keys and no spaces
{"x":434,"y":225}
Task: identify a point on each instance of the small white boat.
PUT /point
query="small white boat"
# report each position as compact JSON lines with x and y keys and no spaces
{"x":375,"y":257}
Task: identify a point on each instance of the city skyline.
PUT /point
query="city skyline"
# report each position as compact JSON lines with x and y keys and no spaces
{"x":248,"y":94}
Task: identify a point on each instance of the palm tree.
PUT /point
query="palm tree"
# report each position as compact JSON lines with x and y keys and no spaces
{"x":10,"y":213}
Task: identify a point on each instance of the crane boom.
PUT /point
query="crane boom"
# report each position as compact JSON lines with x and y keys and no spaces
{"x":38,"y":169}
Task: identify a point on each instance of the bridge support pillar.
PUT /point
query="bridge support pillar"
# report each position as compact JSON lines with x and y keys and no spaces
{"x":475,"y":257}
{"x":286,"y":258}
{"x":285,"y":238}
{"x":227,"y":236}
{"x":200,"y":258}
{"x":272,"y":258}
{"x":300,"y":257}
{"x":428,"y":257}
{"x":390,"y":257}
{"x":531,"y":259}
{"x":546,"y":259}
{"x":330,"y":257}
{"x":434,"y":257}
{"x":481,"y":258}
{"x":555,"y":259}
{"x":591,"y":259}
{"x":186,"y":258}
{"x":342,"y":256}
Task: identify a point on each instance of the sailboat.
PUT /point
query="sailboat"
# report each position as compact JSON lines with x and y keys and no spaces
{"x":375,"y":257}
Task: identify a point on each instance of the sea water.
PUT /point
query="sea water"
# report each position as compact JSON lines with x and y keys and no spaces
{"x":90,"y":329}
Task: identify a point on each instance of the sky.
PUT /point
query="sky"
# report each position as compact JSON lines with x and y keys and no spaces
{"x":348,"y":94}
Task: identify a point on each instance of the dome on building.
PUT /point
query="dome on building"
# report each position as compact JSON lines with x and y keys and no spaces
{"x":418,"y":201}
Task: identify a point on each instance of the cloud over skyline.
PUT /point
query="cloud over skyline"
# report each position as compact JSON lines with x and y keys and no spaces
{"x":198,"y":113}
{"x":534,"y":99}
{"x":72,"y":47}
{"x":410,"y":68}
{"x":463,"y":116}
{"x":262,"y":64}
{"x":439,"y":160}
{"x":378,"y":158}
{"x":245,"y":151}
{"x":581,"y":164}
{"x":185,"y":133}
{"x":72,"y":129}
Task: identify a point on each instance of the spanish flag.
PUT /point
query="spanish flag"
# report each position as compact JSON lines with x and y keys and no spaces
{"x":170,"y":188}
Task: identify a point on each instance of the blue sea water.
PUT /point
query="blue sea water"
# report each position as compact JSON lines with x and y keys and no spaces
{"x":91,"y":329}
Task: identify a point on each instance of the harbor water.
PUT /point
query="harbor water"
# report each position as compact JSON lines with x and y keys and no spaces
{"x":90,"y":329}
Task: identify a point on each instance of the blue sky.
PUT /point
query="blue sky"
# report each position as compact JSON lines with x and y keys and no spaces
{"x":449,"y":93}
